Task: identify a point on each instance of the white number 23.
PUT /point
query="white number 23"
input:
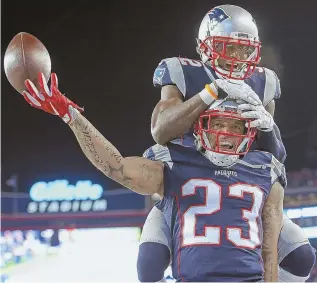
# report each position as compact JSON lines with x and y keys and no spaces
{"x":212,"y":235}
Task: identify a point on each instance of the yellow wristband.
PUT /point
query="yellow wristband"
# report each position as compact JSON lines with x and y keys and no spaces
{"x":211,"y":92}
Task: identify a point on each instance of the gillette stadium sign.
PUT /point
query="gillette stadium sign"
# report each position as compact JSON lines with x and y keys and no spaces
{"x":61,"y":197}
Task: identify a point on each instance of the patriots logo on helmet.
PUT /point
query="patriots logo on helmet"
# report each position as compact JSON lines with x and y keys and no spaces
{"x":216,"y":16}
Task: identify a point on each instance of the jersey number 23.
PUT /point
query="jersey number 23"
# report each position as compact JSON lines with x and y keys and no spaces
{"x":212,"y":235}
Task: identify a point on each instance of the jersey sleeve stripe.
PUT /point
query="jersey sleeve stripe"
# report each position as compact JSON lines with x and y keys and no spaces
{"x":176,"y":73}
{"x":162,"y":153}
{"x":270,"y":87}
{"x":277,"y":172}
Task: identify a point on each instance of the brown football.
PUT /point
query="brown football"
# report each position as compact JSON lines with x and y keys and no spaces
{"x":24,"y":58}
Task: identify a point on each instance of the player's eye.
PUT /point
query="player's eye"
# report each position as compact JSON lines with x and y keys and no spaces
{"x":248,"y":50}
{"x":240,"y":48}
{"x":217,"y":126}
{"x":219,"y":47}
{"x":238,"y":128}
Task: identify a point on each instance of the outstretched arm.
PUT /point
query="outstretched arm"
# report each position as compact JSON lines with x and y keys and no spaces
{"x":272,"y":218}
{"x":136,"y":173}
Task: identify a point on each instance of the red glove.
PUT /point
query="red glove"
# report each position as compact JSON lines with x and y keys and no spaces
{"x":51,"y":101}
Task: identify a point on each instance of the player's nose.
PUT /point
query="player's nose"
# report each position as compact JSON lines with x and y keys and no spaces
{"x":235,"y":53}
{"x":225,"y":129}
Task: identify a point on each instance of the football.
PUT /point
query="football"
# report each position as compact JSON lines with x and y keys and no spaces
{"x":25,"y":57}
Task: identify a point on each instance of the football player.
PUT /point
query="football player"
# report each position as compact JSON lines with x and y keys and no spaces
{"x":229,"y":47}
{"x":217,"y":216}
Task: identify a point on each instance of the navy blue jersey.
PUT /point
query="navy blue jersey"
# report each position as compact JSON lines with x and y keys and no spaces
{"x":214,"y":213}
{"x":190,"y":76}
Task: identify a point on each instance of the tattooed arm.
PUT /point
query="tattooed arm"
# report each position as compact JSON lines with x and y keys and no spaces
{"x":136,"y":173}
{"x":272,"y":218}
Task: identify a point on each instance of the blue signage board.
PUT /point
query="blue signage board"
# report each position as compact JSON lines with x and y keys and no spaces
{"x":82,"y":204}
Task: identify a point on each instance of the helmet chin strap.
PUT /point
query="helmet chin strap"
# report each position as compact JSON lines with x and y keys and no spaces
{"x":219,"y":159}
{"x":242,"y":144}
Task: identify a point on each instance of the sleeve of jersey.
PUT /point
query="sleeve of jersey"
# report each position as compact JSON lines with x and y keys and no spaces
{"x":272,"y":142}
{"x":163,"y":154}
{"x":149,"y":154}
{"x":278,"y":172}
{"x":155,"y":229}
{"x":278,"y":91}
{"x":272,"y":86}
{"x":158,"y":153}
{"x":170,"y":72}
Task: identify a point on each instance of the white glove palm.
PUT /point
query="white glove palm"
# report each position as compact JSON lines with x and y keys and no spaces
{"x":263,"y":120}
{"x":238,"y":91}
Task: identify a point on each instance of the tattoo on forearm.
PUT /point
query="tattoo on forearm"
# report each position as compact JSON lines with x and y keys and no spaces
{"x":107,"y":159}
{"x":86,"y":134}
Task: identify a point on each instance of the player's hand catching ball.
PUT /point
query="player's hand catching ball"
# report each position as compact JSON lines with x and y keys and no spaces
{"x":51,"y":100}
{"x":263,"y":120}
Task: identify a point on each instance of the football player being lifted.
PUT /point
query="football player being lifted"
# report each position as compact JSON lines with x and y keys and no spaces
{"x":229,"y":47}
